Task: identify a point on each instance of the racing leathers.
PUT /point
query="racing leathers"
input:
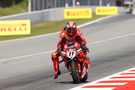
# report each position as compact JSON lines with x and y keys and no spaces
{"x":64,"y":38}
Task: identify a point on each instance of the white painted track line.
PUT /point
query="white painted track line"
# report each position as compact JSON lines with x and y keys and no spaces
{"x":94,"y":89}
{"x":46,"y":52}
{"x":107,"y":84}
{"x":121,"y":79}
{"x":34,"y":54}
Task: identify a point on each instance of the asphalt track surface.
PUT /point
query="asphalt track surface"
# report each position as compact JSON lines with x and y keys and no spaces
{"x":26,"y":64}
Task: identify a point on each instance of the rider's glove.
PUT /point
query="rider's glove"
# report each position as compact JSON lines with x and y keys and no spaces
{"x":85,"y":48}
{"x":59,"y":50}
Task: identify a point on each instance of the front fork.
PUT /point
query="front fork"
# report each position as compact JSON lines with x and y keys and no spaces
{"x":81,"y":68}
{"x":67,"y":64}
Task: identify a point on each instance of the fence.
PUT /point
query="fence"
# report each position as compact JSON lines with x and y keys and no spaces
{"x":45,"y":4}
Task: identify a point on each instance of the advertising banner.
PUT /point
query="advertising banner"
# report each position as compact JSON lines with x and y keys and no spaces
{"x":106,"y":10}
{"x":78,"y":13}
{"x":15,"y":27}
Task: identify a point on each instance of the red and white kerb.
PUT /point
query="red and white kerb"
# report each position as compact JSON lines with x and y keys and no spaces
{"x":121,"y":81}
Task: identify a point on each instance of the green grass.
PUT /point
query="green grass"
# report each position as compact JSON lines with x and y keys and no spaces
{"x":49,"y":27}
{"x":15,"y":9}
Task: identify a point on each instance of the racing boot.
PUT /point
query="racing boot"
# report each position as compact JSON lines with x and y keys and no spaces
{"x":56,"y":69}
{"x":57,"y":74}
{"x":56,"y":65}
{"x":85,"y":66}
{"x":88,"y":62}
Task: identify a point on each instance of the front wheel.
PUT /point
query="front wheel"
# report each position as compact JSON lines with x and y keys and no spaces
{"x":75,"y":72}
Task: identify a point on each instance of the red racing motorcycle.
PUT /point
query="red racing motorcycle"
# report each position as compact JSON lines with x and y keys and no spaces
{"x":77,"y":69}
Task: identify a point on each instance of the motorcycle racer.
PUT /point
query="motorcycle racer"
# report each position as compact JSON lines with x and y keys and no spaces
{"x":69,"y":34}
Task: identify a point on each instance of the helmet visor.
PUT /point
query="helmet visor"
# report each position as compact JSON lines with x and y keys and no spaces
{"x":70,"y":30}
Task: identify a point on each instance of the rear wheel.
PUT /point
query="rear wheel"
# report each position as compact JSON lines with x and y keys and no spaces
{"x":75,"y":72}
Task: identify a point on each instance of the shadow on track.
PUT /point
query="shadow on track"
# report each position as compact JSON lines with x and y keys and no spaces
{"x":71,"y":82}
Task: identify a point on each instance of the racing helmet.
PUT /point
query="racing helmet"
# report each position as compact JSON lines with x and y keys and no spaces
{"x":70,"y":28}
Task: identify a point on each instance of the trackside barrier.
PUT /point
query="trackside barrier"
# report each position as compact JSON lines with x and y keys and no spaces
{"x":46,"y":15}
{"x":38,"y":16}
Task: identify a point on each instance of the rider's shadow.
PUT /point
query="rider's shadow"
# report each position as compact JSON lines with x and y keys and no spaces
{"x":68,"y":79}
{"x":71,"y":82}
{"x":66,"y":82}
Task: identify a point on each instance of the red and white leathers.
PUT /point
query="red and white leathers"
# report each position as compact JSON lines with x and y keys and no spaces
{"x":78,"y":37}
